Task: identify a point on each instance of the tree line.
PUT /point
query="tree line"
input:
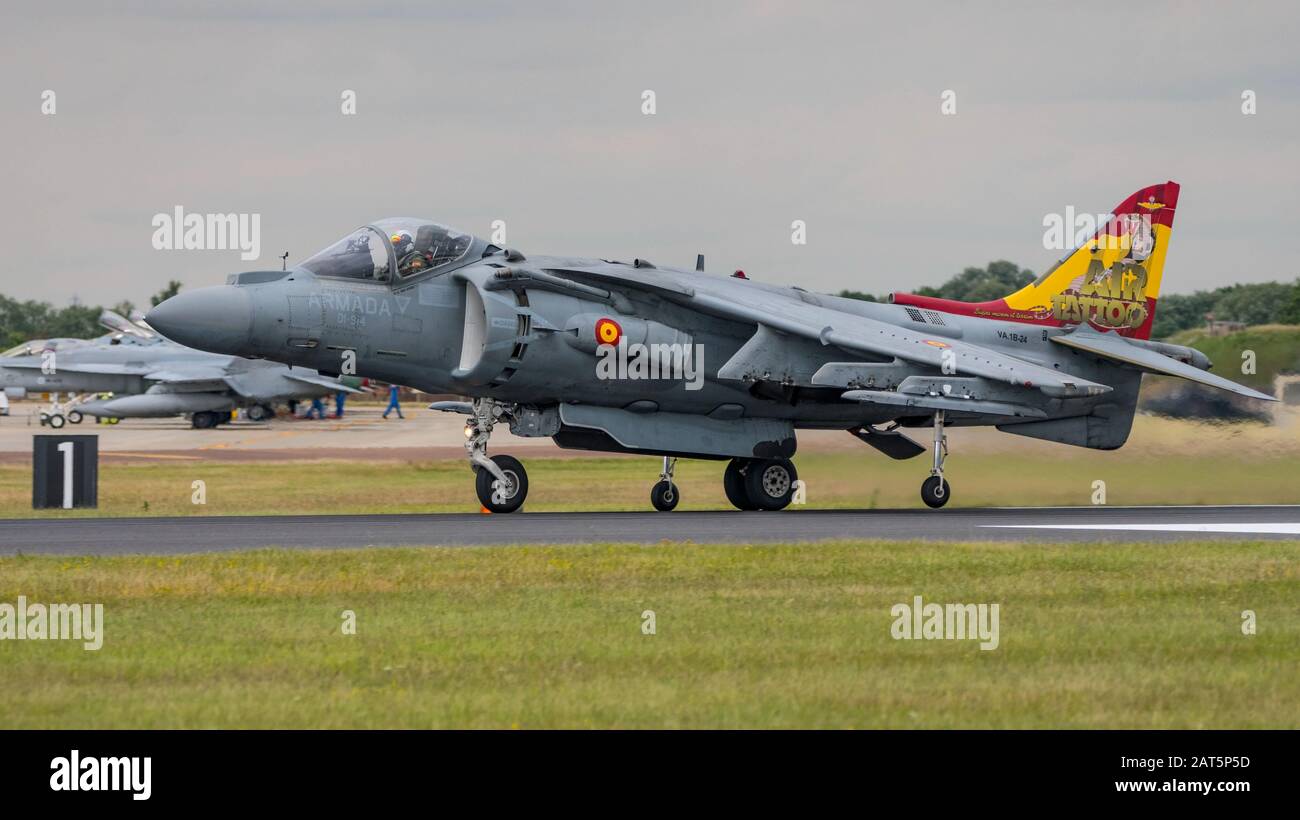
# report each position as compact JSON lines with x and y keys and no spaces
{"x":23,"y":321}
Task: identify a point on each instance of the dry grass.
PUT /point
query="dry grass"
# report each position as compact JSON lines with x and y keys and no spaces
{"x":1165,"y":463}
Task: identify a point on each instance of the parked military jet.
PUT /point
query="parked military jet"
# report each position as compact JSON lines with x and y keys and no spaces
{"x":633,"y":357}
{"x":153,"y":377}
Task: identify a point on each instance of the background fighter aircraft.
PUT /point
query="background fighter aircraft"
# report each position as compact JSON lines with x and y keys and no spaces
{"x":152,"y":377}
{"x":602,"y":355}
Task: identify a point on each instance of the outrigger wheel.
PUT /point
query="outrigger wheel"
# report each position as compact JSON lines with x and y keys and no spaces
{"x":934,"y":490}
{"x":498,"y":496}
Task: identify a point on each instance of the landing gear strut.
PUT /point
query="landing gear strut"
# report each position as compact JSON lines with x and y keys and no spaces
{"x":934,"y":490}
{"x":59,"y":414}
{"x":500,"y":481}
{"x":664,"y":495}
{"x":760,"y":483}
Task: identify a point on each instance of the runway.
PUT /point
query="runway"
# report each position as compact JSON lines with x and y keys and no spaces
{"x":160,"y":536}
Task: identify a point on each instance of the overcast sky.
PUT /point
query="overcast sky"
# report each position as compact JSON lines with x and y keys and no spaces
{"x":767,"y":112}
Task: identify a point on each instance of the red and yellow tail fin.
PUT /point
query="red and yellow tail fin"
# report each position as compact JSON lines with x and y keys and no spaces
{"x":1111,"y":281}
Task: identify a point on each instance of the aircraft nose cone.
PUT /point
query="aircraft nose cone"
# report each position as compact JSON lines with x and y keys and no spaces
{"x":217,"y":319}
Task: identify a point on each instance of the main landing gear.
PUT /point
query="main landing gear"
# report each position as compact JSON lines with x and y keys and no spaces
{"x":934,"y":490}
{"x":750,"y":484}
{"x":760,"y":483}
{"x":500,"y":481}
{"x":206,"y":420}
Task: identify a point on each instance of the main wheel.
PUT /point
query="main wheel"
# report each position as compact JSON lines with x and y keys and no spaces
{"x":203,"y":421}
{"x":664,"y":496}
{"x":733,"y":484}
{"x":75,"y":417}
{"x":769,"y":483}
{"x":935,"y":492}
{"x":56,"y":420}
{"x":502,"y":499}
{"x":259,"y":412}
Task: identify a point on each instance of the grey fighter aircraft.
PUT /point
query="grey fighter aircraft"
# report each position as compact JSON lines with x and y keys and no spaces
{"x":152,"y":377}
{"x":639,"y":358}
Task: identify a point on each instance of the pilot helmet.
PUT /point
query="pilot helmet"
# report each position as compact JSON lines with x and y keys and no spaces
{"x":401,"y":240}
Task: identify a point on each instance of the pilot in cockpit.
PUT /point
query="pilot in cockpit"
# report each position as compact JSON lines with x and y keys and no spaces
{"x":409,"y":260}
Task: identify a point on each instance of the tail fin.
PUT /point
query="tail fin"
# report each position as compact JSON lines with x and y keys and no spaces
{"x":1111,"y":281}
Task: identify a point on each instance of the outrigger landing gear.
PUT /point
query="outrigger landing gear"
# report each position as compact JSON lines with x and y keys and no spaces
{"x":760,"y":483}
{"x":500,"y":481}
{"x":664,"y":495}
{"x":934,"y":490}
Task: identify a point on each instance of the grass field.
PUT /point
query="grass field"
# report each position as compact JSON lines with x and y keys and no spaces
{"x":1136,"y":635}
{"x":849,"y":479}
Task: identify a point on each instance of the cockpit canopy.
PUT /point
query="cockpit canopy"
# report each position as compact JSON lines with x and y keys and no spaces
{"x":36,"y":347}
{"x":408,"y":246}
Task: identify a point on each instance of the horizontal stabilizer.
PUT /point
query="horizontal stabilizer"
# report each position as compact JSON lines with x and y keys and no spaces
{"x":1112,"y":346}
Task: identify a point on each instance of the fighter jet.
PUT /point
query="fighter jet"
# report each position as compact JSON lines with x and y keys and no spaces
{"x":636,"y":357}
{"x":152,"y":377}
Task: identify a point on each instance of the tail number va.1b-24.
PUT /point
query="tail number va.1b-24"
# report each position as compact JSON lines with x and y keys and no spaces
{"x":633,"y":357}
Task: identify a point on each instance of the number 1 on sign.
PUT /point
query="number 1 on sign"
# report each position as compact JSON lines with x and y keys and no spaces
{"x":66,"y":449}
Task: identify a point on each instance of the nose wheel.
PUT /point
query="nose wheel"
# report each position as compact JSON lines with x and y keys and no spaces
{"x":664,"y":495}
{"x":934,"y":490}
{"x":500,"y":481}
{"x":507,"y":493}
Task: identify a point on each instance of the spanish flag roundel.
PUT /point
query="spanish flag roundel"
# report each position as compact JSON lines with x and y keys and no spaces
{"x":608,"y":332}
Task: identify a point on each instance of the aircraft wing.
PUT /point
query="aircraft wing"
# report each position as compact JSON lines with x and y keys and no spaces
{"x":777,"y":311}
{"x":1111,"y":345}
{"x":101,"y":369}
{"x":322,"y":381}
{"x":645,"y":278}
{"x":874,"y":337}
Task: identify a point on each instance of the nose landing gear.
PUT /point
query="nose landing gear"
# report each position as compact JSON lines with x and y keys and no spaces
{"x":500,"y":481}
{"x":664,"y":495}
{"x":59,"y":414}
{"x":934,"y":490}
